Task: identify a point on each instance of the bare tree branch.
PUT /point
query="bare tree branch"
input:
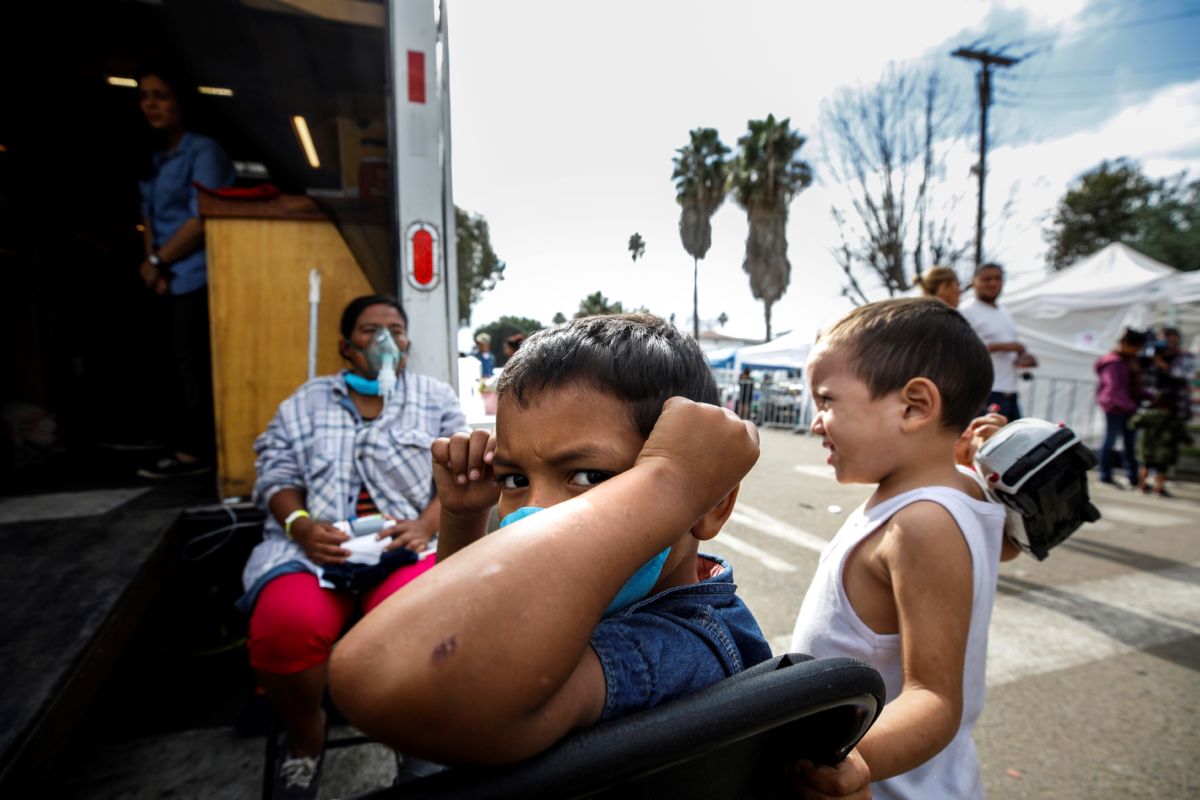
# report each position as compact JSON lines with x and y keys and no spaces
{"x":885,"y":145}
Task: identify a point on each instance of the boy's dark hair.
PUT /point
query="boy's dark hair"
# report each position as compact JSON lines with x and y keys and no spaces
{"x":893,"y":341}
{"x":638,"y":358}
{"x":360,"y":304}
{"x":989,"y":265}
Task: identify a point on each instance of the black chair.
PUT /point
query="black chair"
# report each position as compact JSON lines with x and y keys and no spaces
{"x":731,"y":740}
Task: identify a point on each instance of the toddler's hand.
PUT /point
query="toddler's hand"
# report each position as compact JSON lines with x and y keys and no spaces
{"x":708,"y":447}
{"x":850,"y":778}
{"x":462,"y":472}
{"x":979,"y":431}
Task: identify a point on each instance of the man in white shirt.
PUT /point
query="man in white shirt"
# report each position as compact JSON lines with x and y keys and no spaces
{"x":998,"y":331}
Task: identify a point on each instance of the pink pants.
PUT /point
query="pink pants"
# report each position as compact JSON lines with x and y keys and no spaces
{"x":295,"y":622}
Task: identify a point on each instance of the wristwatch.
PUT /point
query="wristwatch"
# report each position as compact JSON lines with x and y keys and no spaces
{"x":156,"y":261}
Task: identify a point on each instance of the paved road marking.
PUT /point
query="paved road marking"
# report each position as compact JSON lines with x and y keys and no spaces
{"x":1048,"y":629}
{"x":816,"y":471}
{"x":763,"y":522}
{"x":1139,"y":517}
{"x":744,"y":548}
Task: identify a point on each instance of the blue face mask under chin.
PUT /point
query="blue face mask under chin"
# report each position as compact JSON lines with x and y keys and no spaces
{"x":638,"y":586}
{"x":367,"y":386}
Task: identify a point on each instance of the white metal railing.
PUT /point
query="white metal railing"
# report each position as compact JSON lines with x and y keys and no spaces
{"x":780,"y":403}
{"x":1068,"y":400}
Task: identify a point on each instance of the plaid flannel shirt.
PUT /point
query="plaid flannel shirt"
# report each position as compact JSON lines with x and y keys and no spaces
{"x":319,"y":444}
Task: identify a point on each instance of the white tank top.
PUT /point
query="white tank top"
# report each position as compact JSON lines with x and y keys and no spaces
{"x":828,"y":626}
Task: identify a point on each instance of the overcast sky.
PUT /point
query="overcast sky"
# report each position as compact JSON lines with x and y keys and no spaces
{"x":566,"y":116}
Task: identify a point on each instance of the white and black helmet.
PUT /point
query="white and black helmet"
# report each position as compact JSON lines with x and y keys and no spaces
{"x":1039,"y":471}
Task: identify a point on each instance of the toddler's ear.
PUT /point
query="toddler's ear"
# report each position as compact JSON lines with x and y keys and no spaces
{"x":711,"y":523}
{"x":922,"y":403}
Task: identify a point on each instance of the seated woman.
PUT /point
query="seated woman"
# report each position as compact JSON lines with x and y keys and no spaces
{"x":342,"y":446}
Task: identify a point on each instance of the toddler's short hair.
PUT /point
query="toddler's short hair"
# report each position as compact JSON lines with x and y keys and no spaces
{"x":893,"y":341}
{"x":638,"y":358}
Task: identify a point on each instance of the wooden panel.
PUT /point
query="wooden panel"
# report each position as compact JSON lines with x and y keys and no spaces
{"x":285,"y":206}
{"x":258,"y":299}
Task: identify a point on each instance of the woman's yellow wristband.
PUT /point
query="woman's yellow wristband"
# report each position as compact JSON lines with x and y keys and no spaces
{"x":292,"y":517}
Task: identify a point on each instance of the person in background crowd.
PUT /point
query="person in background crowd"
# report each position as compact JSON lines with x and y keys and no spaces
{"x":942,"y":283}
{"x":1160,"y":431}
{"x":996,"y":328}
{"x":1171,"y":371}
{"x":1118,"y":393}
{"x":483,"y":352}
{"x":511,"y":344}
{"x":745,"y":394}
{"x":174,"y":264}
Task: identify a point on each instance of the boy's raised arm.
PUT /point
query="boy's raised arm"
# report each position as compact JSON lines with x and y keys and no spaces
{"x":928,"y":563}
{"x":485,"y":657}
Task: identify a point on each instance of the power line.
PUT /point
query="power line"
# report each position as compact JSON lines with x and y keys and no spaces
{"x":1131,"y":23}
{"x":1005,"y":95}
{"x":1108,"y":72}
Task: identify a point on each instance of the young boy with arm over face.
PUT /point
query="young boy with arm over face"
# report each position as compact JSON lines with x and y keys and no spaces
{"x":907,"y":584}
{"x":517,"y":638}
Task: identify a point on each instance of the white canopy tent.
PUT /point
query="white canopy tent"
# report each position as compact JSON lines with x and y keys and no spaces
{"x":1074,"y":316}
{"x":779,"y":402}
{"x":789,"y":351}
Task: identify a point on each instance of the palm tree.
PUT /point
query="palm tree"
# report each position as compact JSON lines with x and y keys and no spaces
{"x":766,"y":176}
{"x":637,"y":246}
{"x":701,"y":170}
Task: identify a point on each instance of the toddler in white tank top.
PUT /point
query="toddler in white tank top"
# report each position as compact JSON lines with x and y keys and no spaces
{"x":907,"y":584}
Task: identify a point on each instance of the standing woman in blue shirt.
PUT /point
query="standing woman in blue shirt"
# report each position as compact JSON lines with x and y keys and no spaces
{"x":175,"y":266}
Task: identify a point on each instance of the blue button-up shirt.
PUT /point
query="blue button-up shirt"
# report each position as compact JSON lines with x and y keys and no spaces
{"x":677,"y":642}
{"x":169,"y":199}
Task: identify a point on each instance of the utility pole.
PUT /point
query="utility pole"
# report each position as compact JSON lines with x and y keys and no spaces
{"x":987,"y":60}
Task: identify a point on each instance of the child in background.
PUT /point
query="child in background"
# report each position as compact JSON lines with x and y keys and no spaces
{"x":1160,"y":432}
{"x":520,"y":637}
{"x":907,"y":584}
